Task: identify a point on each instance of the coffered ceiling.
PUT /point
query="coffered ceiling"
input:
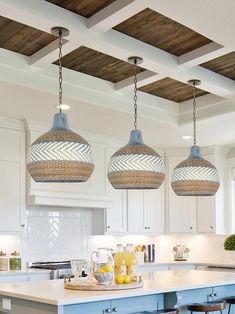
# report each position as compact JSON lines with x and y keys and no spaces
{"x":86,"y":8}
{"x":98,"y":64}
{"x":178,"y":41}
{"x":21,"y":38}
{"x":164,"y":33}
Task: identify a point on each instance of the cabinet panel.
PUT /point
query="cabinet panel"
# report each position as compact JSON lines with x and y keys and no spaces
{"x":154,"y":210}
{"x":10,"y":201}
{"x":205,"y":214}
{"x":181,"y":209}
{"x":12,"y":185}
{"x":137,"y":304}
{"x":136,"y":217}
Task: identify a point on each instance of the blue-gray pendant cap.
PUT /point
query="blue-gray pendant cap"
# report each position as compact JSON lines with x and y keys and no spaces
{"x":136,"y":138}
{"x":195,"y":152}
{"x":60,"y":123}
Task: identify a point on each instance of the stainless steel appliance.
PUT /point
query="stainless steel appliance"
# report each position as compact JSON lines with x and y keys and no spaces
{"x":58,"y":270}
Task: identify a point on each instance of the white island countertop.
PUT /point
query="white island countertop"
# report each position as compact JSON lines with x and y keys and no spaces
{"x":53,"y":292}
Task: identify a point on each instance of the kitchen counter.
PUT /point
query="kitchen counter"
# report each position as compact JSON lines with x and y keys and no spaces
{"x":25,"y":271}
{"x":53,"y":292}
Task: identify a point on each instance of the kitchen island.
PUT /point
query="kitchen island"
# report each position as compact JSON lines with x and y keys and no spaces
{"x":161,"y":289}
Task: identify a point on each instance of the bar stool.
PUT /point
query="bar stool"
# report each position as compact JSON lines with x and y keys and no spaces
{"x":211,"y":306}
{"x":230,"y":301}
{"x":163,"y":311}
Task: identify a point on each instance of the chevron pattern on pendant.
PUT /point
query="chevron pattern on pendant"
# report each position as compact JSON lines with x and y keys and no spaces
{"x":195,"y":173}
{"x":68,"y":151}
{"x":136,"y":162}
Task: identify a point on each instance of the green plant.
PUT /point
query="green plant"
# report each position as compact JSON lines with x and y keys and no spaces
{"x":229,"y":243}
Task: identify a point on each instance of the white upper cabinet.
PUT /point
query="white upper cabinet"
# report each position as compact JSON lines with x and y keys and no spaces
{"x":116,"y":214}
{"x":204,"y":214}
{"x":181,"y":209}
{"x":12,"y":180}
{"x":146,"y":211}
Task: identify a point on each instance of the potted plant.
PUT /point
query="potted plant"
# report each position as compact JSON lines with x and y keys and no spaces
{"x":229,"y":245}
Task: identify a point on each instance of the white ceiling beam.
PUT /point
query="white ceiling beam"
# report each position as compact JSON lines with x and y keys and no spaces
{"x":143,"y":78}
{"x":49,"y":53}
{"x":115,"y":13}
{"x":202,"y":54}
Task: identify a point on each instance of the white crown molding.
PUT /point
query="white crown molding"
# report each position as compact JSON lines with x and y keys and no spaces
{"x":9,"y":123}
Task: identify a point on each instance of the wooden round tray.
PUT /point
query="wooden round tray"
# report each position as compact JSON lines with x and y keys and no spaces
{"x":73,"y":285}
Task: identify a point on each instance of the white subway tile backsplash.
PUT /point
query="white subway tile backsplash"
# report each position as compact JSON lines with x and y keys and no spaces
{"x":57,"y":233}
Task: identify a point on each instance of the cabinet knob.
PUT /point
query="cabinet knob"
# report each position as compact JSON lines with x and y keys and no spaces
{"x":23,"y":225}
{"x":191,"y":228}
{"x":145,"y":227}
{"x":108,"y":227}
{"x":108,"y":311}
{"x":212,"y":227}
{"x":149,"y":228}
{"x":115,"y":309}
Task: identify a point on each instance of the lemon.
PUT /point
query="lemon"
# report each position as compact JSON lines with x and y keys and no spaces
{"x":107,"y":268}
{"x":100,"y":270}
{"x":119,"y":279}
{"x":126,"y":279}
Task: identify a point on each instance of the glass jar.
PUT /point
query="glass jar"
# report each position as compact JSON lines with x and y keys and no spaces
{"x":3,"y":261}
{"x":15,"y":261}
{"x":131,"y":263}
{"x":119,"y":261}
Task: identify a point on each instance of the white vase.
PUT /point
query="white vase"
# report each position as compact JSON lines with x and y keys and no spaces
{"x":231,"y":254}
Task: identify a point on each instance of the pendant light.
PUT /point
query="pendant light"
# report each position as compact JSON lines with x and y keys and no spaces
{"x":60,"y":155}
{"x":136,"y":166}
{"x":195,"y":176}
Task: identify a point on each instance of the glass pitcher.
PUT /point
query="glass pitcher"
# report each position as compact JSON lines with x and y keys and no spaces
{"x":102,"y":260}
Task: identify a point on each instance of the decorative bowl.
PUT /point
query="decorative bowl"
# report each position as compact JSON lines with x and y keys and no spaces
{"x":104,"y":278}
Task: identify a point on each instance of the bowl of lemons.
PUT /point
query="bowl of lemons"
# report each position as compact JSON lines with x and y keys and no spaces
{"x":104,"y":274}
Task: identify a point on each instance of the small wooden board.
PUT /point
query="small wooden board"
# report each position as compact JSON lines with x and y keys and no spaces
{"x":73,"y":285}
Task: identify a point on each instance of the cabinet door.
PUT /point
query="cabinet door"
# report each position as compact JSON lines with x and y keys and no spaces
{"x":137,"y":304}
{"x":181,"y":209}
{"x":205,"y":214}
{"x":136,"y":217}
{"x":206,"y":209}
{"x":116,"y":218}
{"x":154,"y":210}
{"x":12,"y":196}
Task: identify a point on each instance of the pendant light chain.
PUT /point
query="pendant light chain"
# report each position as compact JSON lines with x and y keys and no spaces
{"x":194,"y":114}
{"x":60,"y":71}
{"x":135,"y":94}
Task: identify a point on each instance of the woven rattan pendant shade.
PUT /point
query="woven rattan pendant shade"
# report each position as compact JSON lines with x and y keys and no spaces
{"x":195,"y":176}
{"x":136,"y":166}
{"x":60,"y":155}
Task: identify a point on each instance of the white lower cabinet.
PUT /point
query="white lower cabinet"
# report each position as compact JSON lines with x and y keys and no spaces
{"x":12,"y":180}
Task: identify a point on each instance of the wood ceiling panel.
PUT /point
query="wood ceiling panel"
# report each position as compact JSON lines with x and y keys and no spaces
{"x":159,"y":31}
{"x":21,"y":38}
{"x":172,"y":90}
{"x":82,"y":7}
{"x":97,"y":64}
{"x":224,"y":65}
